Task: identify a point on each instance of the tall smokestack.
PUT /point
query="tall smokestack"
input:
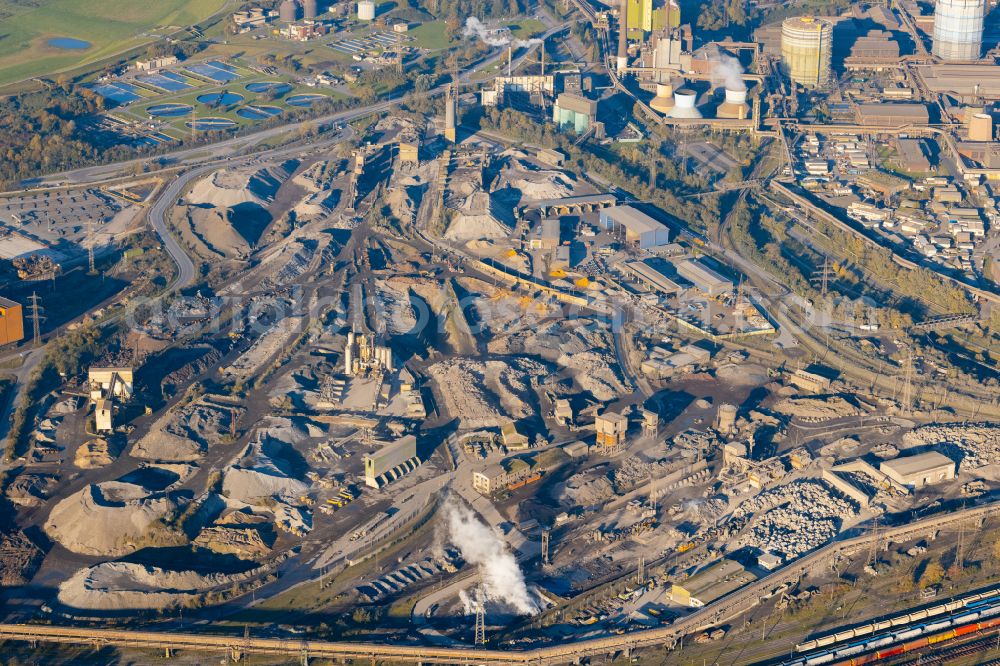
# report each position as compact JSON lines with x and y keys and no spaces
{"x":622,"y":37}
{"x":449,"y":115}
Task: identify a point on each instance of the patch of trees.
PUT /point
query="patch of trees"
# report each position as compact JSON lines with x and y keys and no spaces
{"x":39,"y":132}
{"x":480,"y":8}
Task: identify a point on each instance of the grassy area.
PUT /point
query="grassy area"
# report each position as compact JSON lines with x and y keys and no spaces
{"x":525,"y":28}
{"x":109,"y":26}
{"x":430,"y":36}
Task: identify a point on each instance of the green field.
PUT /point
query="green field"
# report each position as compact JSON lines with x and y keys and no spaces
{"x":110,"y":26}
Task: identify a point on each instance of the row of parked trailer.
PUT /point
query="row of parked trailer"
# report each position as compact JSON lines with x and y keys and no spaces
{"x":975,"y":617}
{"x":898,"y":620}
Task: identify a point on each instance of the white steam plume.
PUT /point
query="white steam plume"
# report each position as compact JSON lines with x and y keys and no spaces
{"x":480,"y":546}
{"x":474,"y":29}
{"x":726,"y":71}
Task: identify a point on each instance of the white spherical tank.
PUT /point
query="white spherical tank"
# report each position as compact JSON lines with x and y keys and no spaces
{"x":684,"y":104}
{"x":366,"y":10}
{"x":958,"y":29}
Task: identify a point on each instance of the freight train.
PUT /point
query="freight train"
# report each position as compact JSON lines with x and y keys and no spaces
{"x":975,"y":617}
{"x":898,"y":621}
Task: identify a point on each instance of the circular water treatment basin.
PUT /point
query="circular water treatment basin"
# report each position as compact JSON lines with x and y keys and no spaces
{"x":203,"y":124}
{"x":168,"y":110}
{"x":273,"y":87}
{"x":68,"y":43}
{"x":304,"y":100}
{"x":220,"y":98}
{"x":258,"y":112}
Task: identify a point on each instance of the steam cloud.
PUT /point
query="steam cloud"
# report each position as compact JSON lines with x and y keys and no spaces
{"x":726,"y":71}
{"x":502,"y":577}
{"x":474,"y":29}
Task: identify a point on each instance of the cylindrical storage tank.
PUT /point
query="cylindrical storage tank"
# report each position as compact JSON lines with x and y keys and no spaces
{"x":366,"y":10}
{"x":806,"y":47}
{"x":726,"y":419}
{"x":958,"y":29}
{"x":684,"y":104}
{"x":735,"y":105}
{"x":288,"y":11}
{"x":664,"y":100}
{"x":309,"y":9}
{"x":981,"y":127}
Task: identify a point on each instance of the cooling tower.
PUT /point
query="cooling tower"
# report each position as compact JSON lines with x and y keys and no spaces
{"x":309,"y":9}
{"x":735,"y":105}
{"x":288,"y":11}
{"x":684,"y":104}
{"x":981,"y":127}
{"x":664,"y":100}
{"x":958,"y":29}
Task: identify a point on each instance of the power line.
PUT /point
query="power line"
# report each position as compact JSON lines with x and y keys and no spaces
{"x":35,"y":312}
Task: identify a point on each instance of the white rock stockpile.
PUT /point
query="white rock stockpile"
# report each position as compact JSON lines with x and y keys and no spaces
{"x":793,"y":519}
{"x":977,"y":444}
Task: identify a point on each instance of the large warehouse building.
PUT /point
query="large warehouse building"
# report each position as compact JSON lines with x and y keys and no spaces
{"x":391,"y":461}
{"x":920,"y":470}
{"x":891,"y":115}
{"x":703,"y":277}
{"x":640,"y":229}
{"x":11,"y":322}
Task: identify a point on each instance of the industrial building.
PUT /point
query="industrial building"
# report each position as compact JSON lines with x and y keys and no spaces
{"x":809,"y":381}
{"x":806,"y":50}
{"x":639,"y":229}
{"x":574,"y":112}
{"x":920,"y":470}
{"x":546,"y":234}
{"x":104,"y":416}
{"x":648,"y":15}
{"x":650,"y":276}
{"x":11,"y":322}
{"x":611,"y":428}
{"x":154,"y":64}
{"x":111,"y":383}
{"x":362,"y":356}
{"x":703,"y":277}
{"x":958,"y":29}
{"x":662,"y":364}
{"x":710,"y":583}
{"x":913,"y":155}
{"x":891,"y":115}
{"x":969,"y":83}
{"x":391,"y":462}
{"x":876,"y":50}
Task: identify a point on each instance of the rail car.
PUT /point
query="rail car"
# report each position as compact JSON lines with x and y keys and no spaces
{"x":969,"y":602}
{"x":911,"y":637}
{"x":920,"y":643}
